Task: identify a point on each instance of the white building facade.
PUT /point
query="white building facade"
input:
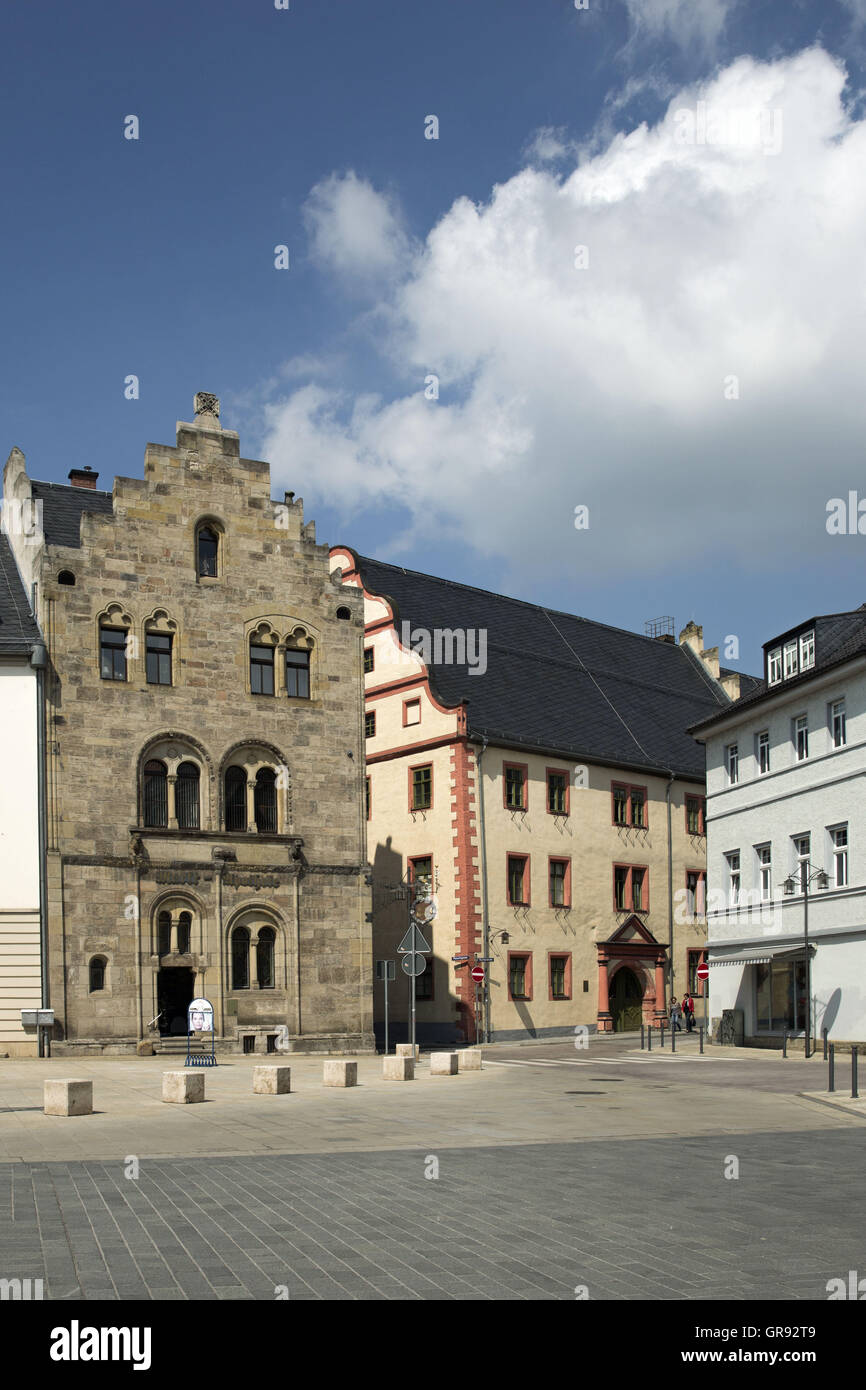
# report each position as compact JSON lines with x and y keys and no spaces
{"x":786,"y":818}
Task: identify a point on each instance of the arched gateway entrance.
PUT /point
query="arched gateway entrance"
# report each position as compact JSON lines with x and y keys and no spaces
{"x":631,"y":978}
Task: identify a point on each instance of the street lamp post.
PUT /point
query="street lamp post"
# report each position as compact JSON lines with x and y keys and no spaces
{"x":807,"y":876}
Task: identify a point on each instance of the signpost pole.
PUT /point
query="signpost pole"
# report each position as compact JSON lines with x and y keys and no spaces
{"x":386,"y":1011}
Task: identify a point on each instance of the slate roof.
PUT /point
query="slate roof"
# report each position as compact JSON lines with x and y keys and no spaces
{"x":18,"y":629}
{"x":558,"y":683}
{"x":838,"y":638}
{"x":62,"y":506}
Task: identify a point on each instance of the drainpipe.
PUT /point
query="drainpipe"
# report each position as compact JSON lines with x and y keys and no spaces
{"x":482,"y":845}
{"x":670,"y":889}
{"x":39,"y":662}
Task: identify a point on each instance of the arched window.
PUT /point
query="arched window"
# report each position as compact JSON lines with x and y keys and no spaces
{"x":97,"y":974}
{"x":187,"y":798}
{"x":266,"y":801}
{"x":240,"y":958}
{"x":163,"y":934}
{"x":265,"y":957}
{"x":236,"y":799}
{"x":184,"y":929}
{"x":66,"y":577}
{"x":344,"y":614}
{"x":155,"y":793}
{"x":207,"y":552}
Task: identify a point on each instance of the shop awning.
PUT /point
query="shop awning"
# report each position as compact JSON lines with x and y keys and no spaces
{"x":762,"y":955}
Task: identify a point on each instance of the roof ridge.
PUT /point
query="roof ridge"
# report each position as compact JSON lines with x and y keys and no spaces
{"x":70,"y":487}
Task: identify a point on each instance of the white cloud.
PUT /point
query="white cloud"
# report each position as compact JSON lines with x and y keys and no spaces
{"x":688,"y":22}
{"x":354,"y":230}
{"x":548,"y":145}
{"x":604,"y":386}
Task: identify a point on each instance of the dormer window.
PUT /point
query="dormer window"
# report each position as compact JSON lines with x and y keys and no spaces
{"x":790,"y":656}
{"x":774,"y":666}
{"x":807,"y":651}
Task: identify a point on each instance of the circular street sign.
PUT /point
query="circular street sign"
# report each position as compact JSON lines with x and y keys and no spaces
{"x":414,"y":963}
{"x":478,"y":973}
{"x":703,"y":972}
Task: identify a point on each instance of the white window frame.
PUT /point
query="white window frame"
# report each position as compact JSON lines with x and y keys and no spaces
{"x":839,"y":841}
{"x":801,"y":726}
{"x":763,"y":745}
{"x":732,"y":763}
{"x":764,"y":864}
{"x":774,"y":666}
{"x":790,"y":659}
{"x":838,"y":713}
{"x":801,"y":857}
{"x":734,"y":880}
{"x":807,"y":650}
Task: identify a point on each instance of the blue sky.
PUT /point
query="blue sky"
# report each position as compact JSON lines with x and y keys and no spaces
{"x":558,"y":387}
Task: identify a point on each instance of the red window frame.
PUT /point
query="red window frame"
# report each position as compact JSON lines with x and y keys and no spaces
{"x":416,"y":767}
{"x":520,"y":767}
{"x":370,"y":714}
{"x":371,"y":652}
{"x":702,"y":882}
{"x":527,"y":976}
{"x":702,"y":814}
{"x":412,"y":860}
{"x":560,"y":772}
{"x":629,"y":891}
{"x":628,"y":788}
{"x":527,"y":878}
{"x":566,"y":883}
{"x":411,"y":724}
{"x":700,"y":985}
{"x":559,"y":955}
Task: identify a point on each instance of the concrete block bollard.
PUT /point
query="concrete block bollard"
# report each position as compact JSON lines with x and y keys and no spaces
{"x":340,"y":1073}
{"x":272,"y":1081}
{"x":469,"y":1059}
{"x":183,"y":1087}
{"x":399,"y":1069}
{"x":443,"y":1063}
{"x":67,"y":1098}
{"x":407,"y":1050}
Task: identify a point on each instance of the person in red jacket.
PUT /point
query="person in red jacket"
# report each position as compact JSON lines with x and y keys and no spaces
{"x":688,"y":1007}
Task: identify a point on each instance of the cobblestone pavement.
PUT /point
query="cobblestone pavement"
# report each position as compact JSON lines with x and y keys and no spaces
{"x":556,"y":1170}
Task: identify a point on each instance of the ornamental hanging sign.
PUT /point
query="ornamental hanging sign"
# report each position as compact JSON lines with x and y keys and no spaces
{"x":200,"y":1020}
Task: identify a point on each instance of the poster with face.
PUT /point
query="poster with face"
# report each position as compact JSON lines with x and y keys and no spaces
{"x":200,"y":1016}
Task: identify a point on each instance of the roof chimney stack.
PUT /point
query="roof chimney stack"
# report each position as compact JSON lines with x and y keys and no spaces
{"x":83,"y":477}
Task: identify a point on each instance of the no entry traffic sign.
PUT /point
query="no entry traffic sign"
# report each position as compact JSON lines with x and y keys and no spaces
{"x":478,"y":973}
{"x":703,"y":971}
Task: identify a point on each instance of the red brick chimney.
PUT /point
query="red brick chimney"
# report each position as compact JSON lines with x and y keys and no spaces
{"x":83,"y":477}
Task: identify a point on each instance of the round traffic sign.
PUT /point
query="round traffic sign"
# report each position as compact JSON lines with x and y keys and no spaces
{"x":703,"y":971}
{"x":414,"y":963}
{"x":478,"y":973}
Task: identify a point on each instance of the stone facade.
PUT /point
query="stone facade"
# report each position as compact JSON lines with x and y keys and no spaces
{"x":153,"y":898}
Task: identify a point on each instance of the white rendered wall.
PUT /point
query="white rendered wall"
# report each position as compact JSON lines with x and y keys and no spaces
{"x":20,"y":977}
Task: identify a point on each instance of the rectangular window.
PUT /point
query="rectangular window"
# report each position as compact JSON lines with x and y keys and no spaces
{"x":297,"y":674}
{"x":637,"y":885}
{"x":424,"y":982}
{"x":559,"y":882}
{"x":369,"y":660}
{"x":637,"y":798}
{"x":801,"y":737}
{"x":370,"y":724}
{"x":519,"y":976}
{"x":838,"y":725}
{"x":557,"y":793}
{"x":696,"y":892}
{"x":158,"y":658}
{"x":620,"y":805}
{"x":839,"y":836}
{"x":515,"y":786}
{"x":368,"y":796}
{"x":112,"y":653}
{"x":774,"y":666}
{"x":630,"y":888}
{"x":697,"y":986}
{"x":695,"y":813}
{"x":807,"y":651}
{"x":560,"y":977}
{"x":763,"y":854}
{"x":518,"y":885}
{"x":790,"y":658}
{"x":261,"y":670}
{"x":421,"y":871}
{"x":732,"y":762}
{"x":629,"y":805}
{"x":802,"y":851}
{"x":422,"y":788}
{"x":620,"y":884}
{"x":780,"y":997}
{"x":763,"y":752}
{"x":733,"y":861}
{"x":411,"y":712}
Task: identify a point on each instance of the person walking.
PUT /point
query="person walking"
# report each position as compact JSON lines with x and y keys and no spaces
{"x":688,"y":1008}
{"x":676,"y":1015}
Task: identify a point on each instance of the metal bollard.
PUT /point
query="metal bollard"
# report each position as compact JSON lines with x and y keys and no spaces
{"x":785,"y":1044}
{"x":701,"y":1038}
{"x":824,"y":1032}
{"x":662,"y":1033}
{"x":854,"y":1092}
{"x":649,"y":1039}
{"x":641,"y":1037}
{"x":673,"y":1039}
{"x":831,"y":1077}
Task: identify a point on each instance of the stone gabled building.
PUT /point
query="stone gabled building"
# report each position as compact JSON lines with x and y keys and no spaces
{"x":205,"y":831}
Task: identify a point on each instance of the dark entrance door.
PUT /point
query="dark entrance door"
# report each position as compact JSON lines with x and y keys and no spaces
{"x":625,"y":1001}
{"x":175,"y":991}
